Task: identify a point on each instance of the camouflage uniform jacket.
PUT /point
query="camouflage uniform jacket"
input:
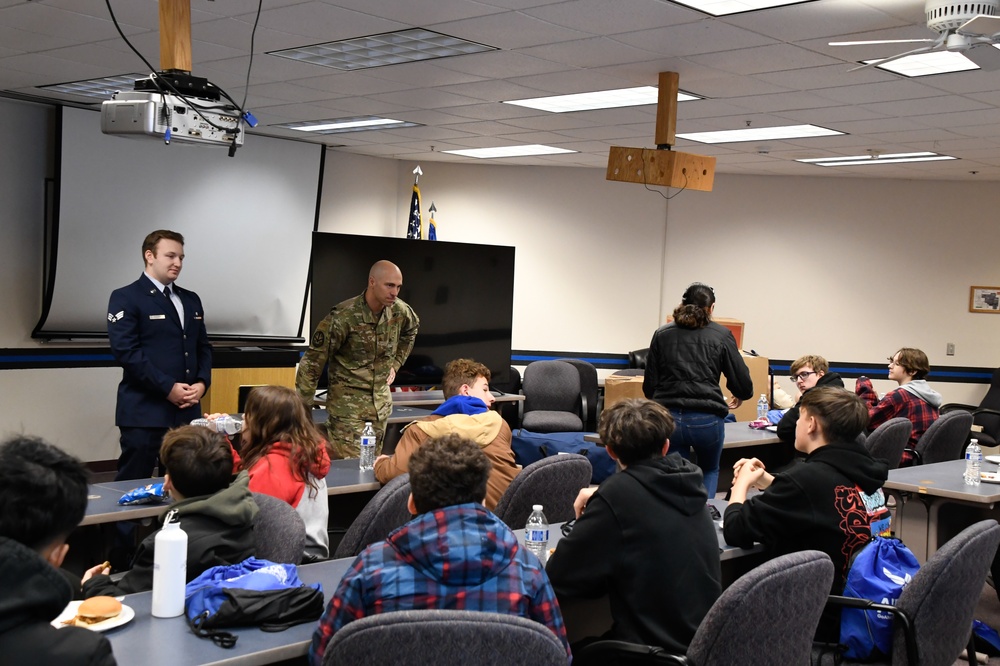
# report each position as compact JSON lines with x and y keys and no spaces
{"x":360,"y":350}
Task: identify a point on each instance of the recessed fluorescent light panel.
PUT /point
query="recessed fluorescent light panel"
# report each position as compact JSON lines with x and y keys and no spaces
{"x":925,"y":64}
{"x":760,"y":134}
{"x":341,"y":125}
{"x":601,"y":99}
{"x":509,"y":151}
{"x":724,"y":7}
{"x":887,"y":158}
{"x":102,"y":88}
{"x":390,"y":48}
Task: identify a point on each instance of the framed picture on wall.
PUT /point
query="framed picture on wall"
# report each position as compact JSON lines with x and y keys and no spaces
{"x":984,"y":299}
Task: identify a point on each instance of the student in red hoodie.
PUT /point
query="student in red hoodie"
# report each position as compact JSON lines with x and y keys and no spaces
{"x":287,"y":457}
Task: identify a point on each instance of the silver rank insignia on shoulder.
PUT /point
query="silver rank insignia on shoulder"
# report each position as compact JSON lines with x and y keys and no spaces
{"x":116,"y":317}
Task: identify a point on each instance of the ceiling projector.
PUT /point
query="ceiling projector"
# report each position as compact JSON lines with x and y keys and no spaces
{"x":172,"y":118}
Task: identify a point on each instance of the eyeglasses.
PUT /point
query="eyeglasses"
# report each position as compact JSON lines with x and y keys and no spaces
{"x":802,"y":376}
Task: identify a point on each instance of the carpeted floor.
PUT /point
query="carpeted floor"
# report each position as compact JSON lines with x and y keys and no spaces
{"x":988,"y":611}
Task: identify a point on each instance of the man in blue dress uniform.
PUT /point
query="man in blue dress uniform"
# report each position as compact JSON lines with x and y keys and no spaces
{"x":157,"y":334}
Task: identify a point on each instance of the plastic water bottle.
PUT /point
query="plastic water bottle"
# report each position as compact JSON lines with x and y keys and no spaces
{"x":368,"y":447}
{"x":225,"y":424}
{"x":169,"y":569}
{"x":536,"y":533}
{"x":973,"y":463}
{"x":762,"y":407}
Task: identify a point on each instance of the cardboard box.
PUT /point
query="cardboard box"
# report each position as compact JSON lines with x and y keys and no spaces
{"x":758,"y":373}
{"x":619,"y":387}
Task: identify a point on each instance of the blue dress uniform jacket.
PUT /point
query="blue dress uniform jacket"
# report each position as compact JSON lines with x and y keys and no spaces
{"x":155,"y":353}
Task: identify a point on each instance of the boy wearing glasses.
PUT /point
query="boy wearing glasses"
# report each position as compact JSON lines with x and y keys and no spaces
{"x":807,"y":373}
{"x":914,"y":399}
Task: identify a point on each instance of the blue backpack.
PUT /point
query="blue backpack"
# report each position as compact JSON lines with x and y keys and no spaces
{"x":879,"y":572}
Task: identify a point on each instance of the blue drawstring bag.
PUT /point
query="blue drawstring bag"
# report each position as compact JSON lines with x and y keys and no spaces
{"x":254,"y":592}
{"x":880,"y":572}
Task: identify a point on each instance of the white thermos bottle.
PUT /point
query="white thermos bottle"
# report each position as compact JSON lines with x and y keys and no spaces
{"x":169,"y":569}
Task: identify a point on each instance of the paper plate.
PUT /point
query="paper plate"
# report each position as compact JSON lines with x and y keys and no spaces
{"x":989,"y":477}
{"x":69,"y":613}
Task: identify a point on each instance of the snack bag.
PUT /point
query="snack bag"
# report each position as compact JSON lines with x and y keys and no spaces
{"x":149,"y":494}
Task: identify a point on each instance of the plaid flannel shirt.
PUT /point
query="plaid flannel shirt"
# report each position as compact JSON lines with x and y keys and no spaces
{"x":898,"y":402}
{"x":459,"y":557}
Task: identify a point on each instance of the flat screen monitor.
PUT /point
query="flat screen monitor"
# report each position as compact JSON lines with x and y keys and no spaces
{"x":462,"y":292}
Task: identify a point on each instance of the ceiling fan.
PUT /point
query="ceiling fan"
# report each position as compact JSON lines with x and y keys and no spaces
{"x":969,"y":28}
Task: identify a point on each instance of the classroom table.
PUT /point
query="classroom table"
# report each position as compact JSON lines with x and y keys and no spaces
{"x":737,"y":435}
{"x":425,"y":398}
{"x":933,"y":501}
{"x":149,"y":641}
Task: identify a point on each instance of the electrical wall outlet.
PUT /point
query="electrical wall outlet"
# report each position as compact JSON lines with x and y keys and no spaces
{"x":951,"y":349}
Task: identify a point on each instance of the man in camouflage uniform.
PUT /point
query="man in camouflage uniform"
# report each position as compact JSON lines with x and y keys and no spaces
{"x":364,"y":340}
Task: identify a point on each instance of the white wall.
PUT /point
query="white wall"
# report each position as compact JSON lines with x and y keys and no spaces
{"x":848,"y":268}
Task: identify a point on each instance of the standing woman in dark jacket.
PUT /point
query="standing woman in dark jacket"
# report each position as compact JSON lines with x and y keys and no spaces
{"x":685,"y":360}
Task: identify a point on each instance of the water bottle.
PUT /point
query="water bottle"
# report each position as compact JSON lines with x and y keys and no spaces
{"x":368,"y":447}
{"x":169,"y":569}
{"x":973,"y":463}
{"x":225,"y":424}
{"x":762,"y":407}
{"x":536,"y":533}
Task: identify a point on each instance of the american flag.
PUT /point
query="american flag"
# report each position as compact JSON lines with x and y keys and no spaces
{"x":414,"y":227}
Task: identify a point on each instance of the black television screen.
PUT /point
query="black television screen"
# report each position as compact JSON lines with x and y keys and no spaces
{"x":462,"y":292}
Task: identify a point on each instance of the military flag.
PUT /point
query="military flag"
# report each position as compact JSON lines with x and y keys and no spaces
{"x":432,"y":233}
{"x":415,"y":227}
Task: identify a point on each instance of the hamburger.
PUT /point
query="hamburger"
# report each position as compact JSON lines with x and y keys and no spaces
{"x":94,"y":610}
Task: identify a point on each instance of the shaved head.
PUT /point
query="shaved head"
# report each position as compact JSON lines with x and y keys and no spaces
{"x":384,"y":281}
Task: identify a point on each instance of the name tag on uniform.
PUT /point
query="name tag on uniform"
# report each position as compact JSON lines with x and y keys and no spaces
{"x":157,"y":316}
{"x":197,"y":316}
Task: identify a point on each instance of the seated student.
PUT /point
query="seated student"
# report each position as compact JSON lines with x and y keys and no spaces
{"x":831,"y":502}
{"x":807,"y":372}
{"x":217,"y":517}
{"x":43,"y":495}
{"x":914,"y":399}
{"x":644,"y":537}
{"x":466,"y":412}
{"x":287,"y":457}
{"x":454,"y":555}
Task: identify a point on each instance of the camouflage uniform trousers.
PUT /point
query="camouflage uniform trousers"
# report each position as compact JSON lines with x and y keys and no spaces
{"x":344,"y":430}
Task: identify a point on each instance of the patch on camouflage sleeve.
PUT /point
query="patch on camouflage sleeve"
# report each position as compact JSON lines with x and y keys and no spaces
{"x":319,"y":338}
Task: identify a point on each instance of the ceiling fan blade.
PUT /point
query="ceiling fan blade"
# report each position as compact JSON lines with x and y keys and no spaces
{"x":880,"y":41}
{"x":923,"y":49}
{"x":984,"y":55}
{"x":981,"y":25}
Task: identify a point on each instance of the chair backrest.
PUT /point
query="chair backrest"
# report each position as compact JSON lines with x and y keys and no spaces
{"x":946,"y":438}
{"x":889,"y":439}
{"x":942,"y":597}
{"x":553,"y":482}
{"x":444,"y":638}
{"x":384,"y":512}
{"x":637,"y":358}
{"x":278,"y":531}
{"x":588,"y":387}
{"x":771,"y":612}
{"x":552,"y":397}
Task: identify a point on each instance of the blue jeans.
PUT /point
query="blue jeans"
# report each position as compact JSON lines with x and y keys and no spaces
{"x":704,"y":433}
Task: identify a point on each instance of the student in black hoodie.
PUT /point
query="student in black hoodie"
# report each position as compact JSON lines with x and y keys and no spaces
{"x":832,"y":502}
{"x":43,"y":495}
{"x":807,"y":372}
{"x":644,"y":537}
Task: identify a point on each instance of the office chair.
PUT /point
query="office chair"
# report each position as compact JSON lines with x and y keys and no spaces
{"x":768,"y":616}
{"x":278,"y":531}
{"x":384,"y":512}
{"x":588,"y":387}
{"x":444,"y":638}
{"x":986,"y":416}
{"x":553,"y":482}
{"x":553,"y":401}
{"x":933,"y":616}
{"x":889,"y":439}
{"x":945,"y":439}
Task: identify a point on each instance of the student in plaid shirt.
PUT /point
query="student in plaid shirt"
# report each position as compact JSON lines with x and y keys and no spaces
{"x":914,"y":399}
{"x":454,"y":555}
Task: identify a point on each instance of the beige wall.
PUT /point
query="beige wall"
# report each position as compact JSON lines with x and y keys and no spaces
{"x":849,"y":268}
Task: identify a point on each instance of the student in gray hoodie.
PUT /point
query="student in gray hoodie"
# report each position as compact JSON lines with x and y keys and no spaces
{"x":914,"y":399}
